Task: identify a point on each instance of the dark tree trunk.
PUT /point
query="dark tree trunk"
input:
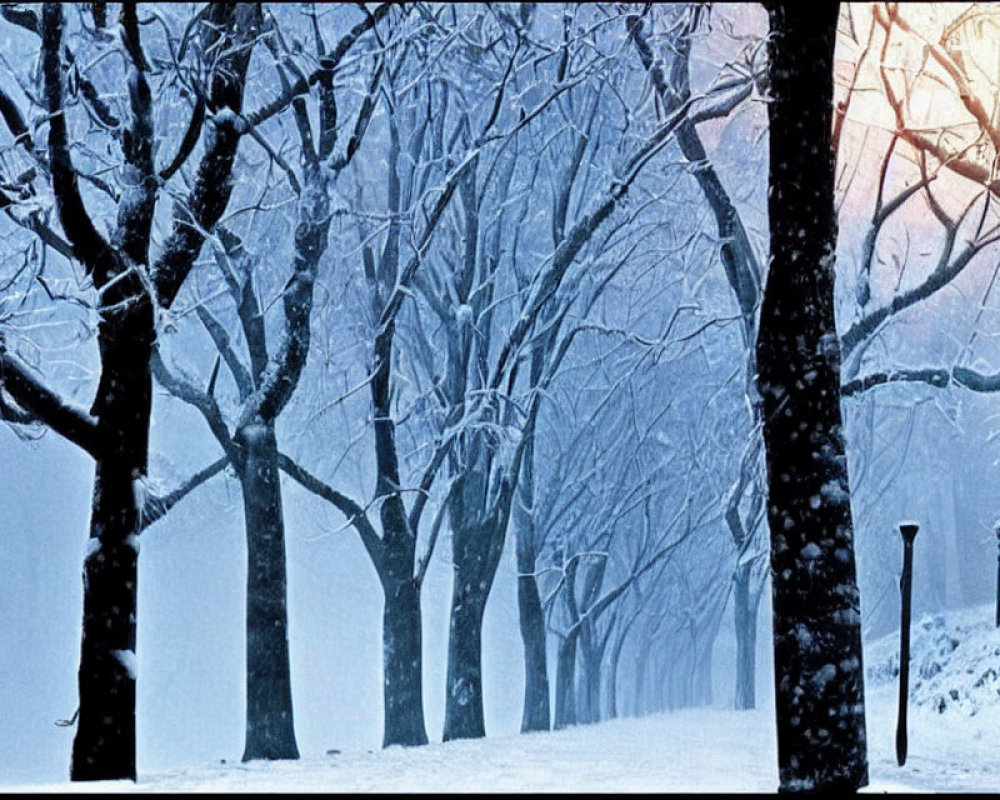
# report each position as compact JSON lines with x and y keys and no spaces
{"x":535,"y":716}
{"x":746,"y":603}
{"x":612,"y":683}
{"x":464,"y":704}
{"x":478,"y":530}
{"x":104,"y":747}
{"x":473,"y":579}
{"x":591,"y":655}
{"x":819,"y":682}
{"x":565,"y":683}
{"x":270,"y":731}
{"x":402,"y":685}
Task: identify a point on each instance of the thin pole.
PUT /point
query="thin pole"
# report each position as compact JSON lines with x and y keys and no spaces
{"x":908,"y":530}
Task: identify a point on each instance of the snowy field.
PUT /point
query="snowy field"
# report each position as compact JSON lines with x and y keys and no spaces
{"x":687,"y":751}
{"x":952,"y":746}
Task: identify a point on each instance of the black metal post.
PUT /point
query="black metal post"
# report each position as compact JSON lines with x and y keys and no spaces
{"x":908,"y":530}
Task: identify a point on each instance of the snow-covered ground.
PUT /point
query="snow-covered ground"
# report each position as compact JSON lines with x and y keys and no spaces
{"x":954,"y":709}
{"x":952,"y":743}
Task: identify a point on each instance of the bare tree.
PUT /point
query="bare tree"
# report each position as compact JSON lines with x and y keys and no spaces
{"x":964,"y":233}
{"x":671,"y":81}
{"x":130,"y":287}
{"x":266,"y":378}
{"x":539,"y":332}
{"x":427,"y":159}
{"x":611,"y":539}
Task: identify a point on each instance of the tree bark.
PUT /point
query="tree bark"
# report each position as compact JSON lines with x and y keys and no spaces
{"x":613,"y":667}
{"x":473,"y":579}
{"x":104,"y":746}
{"x":402,"y":679}
{"x":591,"y":656}
{"x":535,"y":716}
{"x":270,"y":731}
{"x":565,"y":683}
{"x":477,"y":542}
{"x":746,"y":603}
{"x":819,"y":682}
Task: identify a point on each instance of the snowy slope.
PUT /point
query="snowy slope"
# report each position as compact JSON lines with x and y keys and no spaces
{"x":954,"y":664}
{"x":954,"y":706}
{"x":951,"y":746}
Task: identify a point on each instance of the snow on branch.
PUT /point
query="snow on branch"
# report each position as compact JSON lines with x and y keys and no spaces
{"x":156,"y":506}
{"x":88,"y":245}
{"x":328,"y":64}
{"x":45,"y":406}
{"x":937,"y":377}
{"x":203,"y":401}
{"x":213,"y":183}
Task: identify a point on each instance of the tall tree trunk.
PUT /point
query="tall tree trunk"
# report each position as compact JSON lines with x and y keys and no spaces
{"x":640,"y":698}
{"x":565,"y":683}
{"x":104,"y":746}
{"x":746,"y":603}
{"x":402,"y":686}
{"x":270,"y":731}
{"x":592,"y":679}
{"x":616,"y":658}
{"x":819,"y":682}
{"x":536,"y":714}
{"x":589,"y":698}
{"x":611,"y":686}
{"x":464,"y":695}
{"x":703,"y":675}
{"x":479,"y":525}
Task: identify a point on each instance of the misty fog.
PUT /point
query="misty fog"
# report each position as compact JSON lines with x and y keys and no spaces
{"x":471,"y":284}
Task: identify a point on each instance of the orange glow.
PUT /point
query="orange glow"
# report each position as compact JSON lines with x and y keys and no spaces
{"x":939,"y":69}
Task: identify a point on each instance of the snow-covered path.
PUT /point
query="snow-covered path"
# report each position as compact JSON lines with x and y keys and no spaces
{"x":702,"y":750}
{"x":945,"y":754}
{"x":698,"y":750}
{"x":954,"y":715}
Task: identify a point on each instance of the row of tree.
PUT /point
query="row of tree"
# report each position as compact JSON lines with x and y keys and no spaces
{"x":508,"y":193}
{"x":464,"y":248}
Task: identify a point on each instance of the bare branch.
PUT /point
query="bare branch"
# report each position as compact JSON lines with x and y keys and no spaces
{"x":937,"y":377}
{"x":45,"y":406}
{"x":213,"y":182}
{"x":155,"y":507}
{"x":355,"y":514}
{"x":200,"y":400}
{"x":224,"y":345}
{"x":88,"y":245}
